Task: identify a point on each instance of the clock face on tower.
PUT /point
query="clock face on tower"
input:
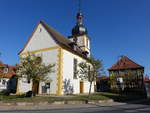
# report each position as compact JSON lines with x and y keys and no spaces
{"x":82,"y":29}
{"x":79,"y":30}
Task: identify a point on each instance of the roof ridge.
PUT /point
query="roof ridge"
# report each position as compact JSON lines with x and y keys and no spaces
{"x":58,"y":37}
{"x":50,"y":29}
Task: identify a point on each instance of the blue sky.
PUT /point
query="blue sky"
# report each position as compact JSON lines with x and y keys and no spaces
{"x":116,"y":27}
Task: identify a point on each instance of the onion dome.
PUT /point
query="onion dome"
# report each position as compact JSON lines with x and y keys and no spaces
{"x":79,"y":29}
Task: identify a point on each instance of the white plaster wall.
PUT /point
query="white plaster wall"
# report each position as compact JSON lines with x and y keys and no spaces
{"x":80,"y":41}
{"x":87,"y":85}
{"x":40,"y":39}
{"x":24,"y":86}
{"x":49,"y":57}
{"x":68,"y":73}
{"x":87,"y":45}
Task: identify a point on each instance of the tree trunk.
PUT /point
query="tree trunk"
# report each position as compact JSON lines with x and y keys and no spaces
{"x":90,"y":89}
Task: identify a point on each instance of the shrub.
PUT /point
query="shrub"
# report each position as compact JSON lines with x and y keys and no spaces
{"x":5,"y":92}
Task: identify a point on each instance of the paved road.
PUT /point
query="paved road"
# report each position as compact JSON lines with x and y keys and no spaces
{"x":120,"y":108}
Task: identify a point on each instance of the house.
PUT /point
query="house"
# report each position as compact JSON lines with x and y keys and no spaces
{"x":126,"y":75}
{"x":147,"y":85}
{"x":65,"y":53}
{"x":6,"y":72}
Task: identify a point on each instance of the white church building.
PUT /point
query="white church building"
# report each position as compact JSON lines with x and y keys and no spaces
{"x":65,"y":53}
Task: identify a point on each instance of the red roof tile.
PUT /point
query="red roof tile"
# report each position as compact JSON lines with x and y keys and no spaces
{"x":125,"y":63}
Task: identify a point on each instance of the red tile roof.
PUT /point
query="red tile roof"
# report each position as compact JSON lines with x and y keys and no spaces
{"x":146,"y":79}
{"x":125,"y":63}
{"x":102,"y":78}
{"x":11,"y":70}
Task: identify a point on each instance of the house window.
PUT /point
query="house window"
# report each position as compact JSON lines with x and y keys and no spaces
{"x":5,"y":70}
{"x":44,"y":89}
{"x":4,"y":82}
{"x":75,"y":62}
{"x":47,"y":85}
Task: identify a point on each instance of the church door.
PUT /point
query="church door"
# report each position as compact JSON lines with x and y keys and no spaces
{"x":35,"y":87}
{"x":81,"y":87}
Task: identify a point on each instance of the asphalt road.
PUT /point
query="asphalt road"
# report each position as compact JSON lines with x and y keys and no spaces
{"x":143,"y":107}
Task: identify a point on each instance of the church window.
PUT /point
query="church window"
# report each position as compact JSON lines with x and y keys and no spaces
{"x":40,"y":29}
{"x":75,"y":62}
{"x":87,"y":43}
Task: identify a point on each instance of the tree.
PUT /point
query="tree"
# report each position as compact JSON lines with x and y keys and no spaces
{"x":1,"y":72}
{"x":33,"y":68}
{"x":90,"y":70}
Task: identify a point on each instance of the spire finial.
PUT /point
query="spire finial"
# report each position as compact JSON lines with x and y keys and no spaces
{"x":79,"y":28}
{"x":79,"y":5}
{"x":79,"y":14}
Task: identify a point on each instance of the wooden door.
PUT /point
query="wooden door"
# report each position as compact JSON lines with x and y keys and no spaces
{"x":35,"y":87}
{"x":81,"y":87}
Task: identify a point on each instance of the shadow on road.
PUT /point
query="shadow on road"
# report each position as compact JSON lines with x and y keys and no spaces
{"x":131,"y":99}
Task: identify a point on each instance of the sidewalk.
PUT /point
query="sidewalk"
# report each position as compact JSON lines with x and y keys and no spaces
{"x":50,"y":104}
{"x":42,"y":105}
{"x":61,"y":105}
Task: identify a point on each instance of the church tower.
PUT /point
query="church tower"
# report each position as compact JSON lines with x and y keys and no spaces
{"x":80,"y":35}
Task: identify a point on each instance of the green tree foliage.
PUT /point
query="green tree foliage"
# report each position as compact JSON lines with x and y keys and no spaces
{"x":83,"y":72}
{"x":2,"y":74}
{"x":32,"y":67}
{"x":90,"y":70}
{"x":132,"y":80}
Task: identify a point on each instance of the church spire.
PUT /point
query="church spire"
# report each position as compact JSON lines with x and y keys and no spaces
{"x":79,"y":28}
{"x":79,"y":33}
{"x":79,"y":16}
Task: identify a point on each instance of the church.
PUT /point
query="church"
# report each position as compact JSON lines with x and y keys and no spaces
{"x":65,"y":53}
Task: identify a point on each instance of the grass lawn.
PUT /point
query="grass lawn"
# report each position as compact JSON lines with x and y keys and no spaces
{"x":95,"y":96}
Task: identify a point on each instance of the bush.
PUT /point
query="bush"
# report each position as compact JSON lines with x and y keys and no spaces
{"x":5,"y":92}
{"x":30,"y":94}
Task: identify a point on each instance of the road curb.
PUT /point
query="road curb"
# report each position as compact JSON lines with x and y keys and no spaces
{"x":53,"y":103}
